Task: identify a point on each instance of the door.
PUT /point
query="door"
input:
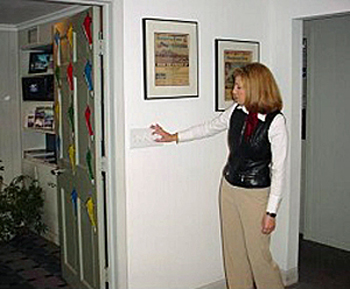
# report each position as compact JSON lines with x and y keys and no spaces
{"x":328,"y":139}
{"x":78,"y":76}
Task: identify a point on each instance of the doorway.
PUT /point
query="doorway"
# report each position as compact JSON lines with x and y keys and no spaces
{"x":108,"y":167}
{"x":325,"y":162}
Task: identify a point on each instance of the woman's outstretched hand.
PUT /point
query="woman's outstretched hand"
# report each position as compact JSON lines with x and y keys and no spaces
{"x":164,"y":136}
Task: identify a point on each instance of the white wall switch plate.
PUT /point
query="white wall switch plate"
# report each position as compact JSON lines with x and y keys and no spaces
{"x":143,"y":137}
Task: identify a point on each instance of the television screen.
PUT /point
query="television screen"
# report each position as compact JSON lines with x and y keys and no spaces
{"x":39,"y":61}
{"x":38,"y":88}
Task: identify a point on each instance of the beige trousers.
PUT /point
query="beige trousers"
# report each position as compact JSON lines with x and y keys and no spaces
{"x":247,"y":257}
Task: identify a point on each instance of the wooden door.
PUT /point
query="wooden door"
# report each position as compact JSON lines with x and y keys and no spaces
{"x":78,"y":89}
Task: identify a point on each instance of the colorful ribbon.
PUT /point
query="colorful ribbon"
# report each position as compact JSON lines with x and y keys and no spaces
{"x":87,"y":121}
{"x":89,"y":164}
{"x":71,"y":151}
{"x":70,"y":35}
{"x":74,"y":197}
{"x":90,"y":210}
{"x":70,"y":76}
{"x":88,"y":76}
{"x":87,"y":29}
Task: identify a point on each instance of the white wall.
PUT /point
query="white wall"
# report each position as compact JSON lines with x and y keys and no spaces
{"x":172,"y":191}
{"x":10,"y":149}
{"x":172,"y":214}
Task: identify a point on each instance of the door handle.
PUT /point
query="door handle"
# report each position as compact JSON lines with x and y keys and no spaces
{"x":57,"y":172}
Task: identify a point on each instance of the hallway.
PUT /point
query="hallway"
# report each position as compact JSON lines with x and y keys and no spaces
{"x":322,"y":267}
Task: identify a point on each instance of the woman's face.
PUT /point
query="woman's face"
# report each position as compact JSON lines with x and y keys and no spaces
{"x":238,"y":92}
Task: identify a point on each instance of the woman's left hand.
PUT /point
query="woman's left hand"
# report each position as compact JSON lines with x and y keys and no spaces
{"x":268,"y":224}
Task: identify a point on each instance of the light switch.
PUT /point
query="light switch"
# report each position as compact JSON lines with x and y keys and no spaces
{"x":143,"y":137}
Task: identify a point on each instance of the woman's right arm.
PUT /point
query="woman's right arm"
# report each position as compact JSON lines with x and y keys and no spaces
{"x":206,"y":129}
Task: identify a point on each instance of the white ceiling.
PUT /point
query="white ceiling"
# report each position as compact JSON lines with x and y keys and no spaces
{"x":14,"y":12}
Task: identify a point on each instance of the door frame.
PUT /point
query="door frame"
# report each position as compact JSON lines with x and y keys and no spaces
{"x":114,"y":162}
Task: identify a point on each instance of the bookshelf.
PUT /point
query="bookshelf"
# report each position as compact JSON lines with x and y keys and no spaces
{"x":38,"y":137}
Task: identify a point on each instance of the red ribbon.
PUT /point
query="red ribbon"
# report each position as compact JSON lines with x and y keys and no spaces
{"x":70,"y":76}
{"x":87,"y":28}
{"x":251,"y":123}
{"x":87,"y":120}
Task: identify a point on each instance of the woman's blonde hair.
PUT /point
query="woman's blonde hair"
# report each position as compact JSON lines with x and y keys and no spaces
{"x":262,"y":92}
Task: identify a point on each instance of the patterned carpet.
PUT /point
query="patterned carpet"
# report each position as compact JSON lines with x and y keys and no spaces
{"x":30,"y":262}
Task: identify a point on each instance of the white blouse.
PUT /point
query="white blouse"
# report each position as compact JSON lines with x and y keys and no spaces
{"x":278,"y":137}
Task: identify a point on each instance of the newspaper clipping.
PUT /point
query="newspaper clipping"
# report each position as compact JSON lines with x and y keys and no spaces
{"x":172,"y":59}
{"x":234,"y":59}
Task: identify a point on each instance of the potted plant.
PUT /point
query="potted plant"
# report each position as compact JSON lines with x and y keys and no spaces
{"x":21,"y":207}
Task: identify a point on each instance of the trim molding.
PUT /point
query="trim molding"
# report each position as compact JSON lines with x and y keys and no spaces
{"x":290,"y":276}
{"x":8,"y":27}
{"x":51,"y":17}
{"x":221,"y":284}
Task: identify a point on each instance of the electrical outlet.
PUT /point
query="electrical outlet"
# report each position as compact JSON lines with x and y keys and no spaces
{"x":143,"y":137}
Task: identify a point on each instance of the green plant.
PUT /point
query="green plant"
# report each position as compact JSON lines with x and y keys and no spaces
{"x":21,"y":207}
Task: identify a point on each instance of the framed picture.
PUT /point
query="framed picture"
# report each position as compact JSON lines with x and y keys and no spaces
{"x":39,"y":61}
{"x":230,"y":54}
{"x":170,"y":50}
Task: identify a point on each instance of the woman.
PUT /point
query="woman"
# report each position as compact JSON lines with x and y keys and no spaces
{"x":251,"y":188}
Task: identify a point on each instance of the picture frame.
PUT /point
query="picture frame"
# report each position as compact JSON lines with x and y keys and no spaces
{"x":229,"y":55}
{"x":170,"y":58}
{"x":39,"y":62}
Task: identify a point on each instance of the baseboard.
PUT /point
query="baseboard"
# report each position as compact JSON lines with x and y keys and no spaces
{"x":221,"y":284}
{"x":52,"y":237}
{"x":290,"y":276}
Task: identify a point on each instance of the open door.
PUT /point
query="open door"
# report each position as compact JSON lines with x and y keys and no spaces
{"x":78,"y":87}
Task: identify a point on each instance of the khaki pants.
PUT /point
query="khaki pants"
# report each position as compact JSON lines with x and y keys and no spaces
{"x":247,"y":257}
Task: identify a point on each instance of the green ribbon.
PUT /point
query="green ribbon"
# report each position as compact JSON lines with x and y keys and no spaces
{"x":89,"y":164}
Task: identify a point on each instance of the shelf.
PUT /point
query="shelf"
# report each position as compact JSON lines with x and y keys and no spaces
{"x":38,"y":47}
{"x":49,"y":72}
{"x":40,"y":156}
{"x":39,"y":130}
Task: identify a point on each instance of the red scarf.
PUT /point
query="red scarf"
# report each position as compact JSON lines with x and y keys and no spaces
{"x":251,"y":123}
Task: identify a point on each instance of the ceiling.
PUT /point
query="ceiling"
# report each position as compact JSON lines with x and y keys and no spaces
{"x":14,"y":12}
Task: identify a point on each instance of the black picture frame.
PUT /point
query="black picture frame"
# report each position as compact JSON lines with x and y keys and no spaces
{"x":230,"y":54}
{"x":161,"y":79}
{"x":39,"y":62}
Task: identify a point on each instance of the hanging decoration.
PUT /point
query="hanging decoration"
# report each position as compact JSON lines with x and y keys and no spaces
{"x":70,"y":35}
{"x":88,"y":121}
{"x":71,"y":151}
{"x":57,"y":111}
{"x":74,"y":197}
{"x":58,"y":76}
{"x":88,"y":77}
{"x":70,"y":76}
{"x":71,"y":115}
{"x":87,"y":29}
{"x":91,"y":212}
{"x":89,"y":164}
{"x":57,"y":40}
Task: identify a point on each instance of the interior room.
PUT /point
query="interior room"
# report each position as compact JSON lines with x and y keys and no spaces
{"x":154,"y":215}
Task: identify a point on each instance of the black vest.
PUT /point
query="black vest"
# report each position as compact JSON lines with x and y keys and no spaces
{"x":248,"y":165}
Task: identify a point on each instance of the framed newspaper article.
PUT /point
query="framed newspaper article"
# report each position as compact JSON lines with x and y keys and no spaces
{"x":170,"y":50}
{"x":230,"y":54}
